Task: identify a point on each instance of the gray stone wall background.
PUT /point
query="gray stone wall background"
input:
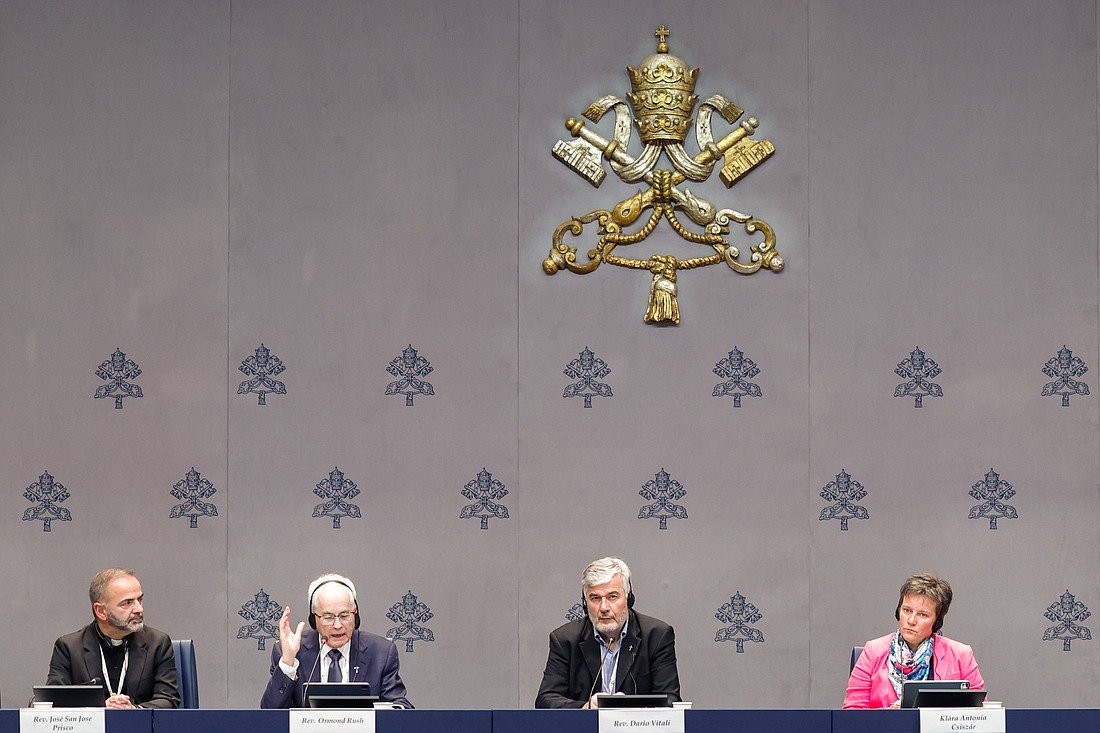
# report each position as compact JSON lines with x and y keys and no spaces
{"x":188,"y":181}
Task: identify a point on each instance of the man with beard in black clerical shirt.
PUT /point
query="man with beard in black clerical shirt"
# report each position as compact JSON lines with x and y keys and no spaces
{"x":134,"y":662}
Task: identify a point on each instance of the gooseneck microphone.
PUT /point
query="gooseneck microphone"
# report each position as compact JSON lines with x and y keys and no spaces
{"x":320,"y":649}
{"x":599,"y":675}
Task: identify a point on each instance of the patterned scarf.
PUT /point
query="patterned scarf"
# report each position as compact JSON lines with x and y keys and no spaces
{"x":904,"y":664}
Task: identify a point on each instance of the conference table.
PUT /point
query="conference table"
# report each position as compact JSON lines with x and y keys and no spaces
{"x":574,"y":721}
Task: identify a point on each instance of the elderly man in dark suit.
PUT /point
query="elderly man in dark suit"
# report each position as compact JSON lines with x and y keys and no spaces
{"x":134,"y":662}
{"x":338,"y":652}
{"x":613,"y":649}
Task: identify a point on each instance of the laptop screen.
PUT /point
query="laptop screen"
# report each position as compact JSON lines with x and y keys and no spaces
{"x":633,"y":701}
{"x":950,"y":698}
{"x":71,"y":696}
{"x":909,"y":689}
{"x":339,"y":695}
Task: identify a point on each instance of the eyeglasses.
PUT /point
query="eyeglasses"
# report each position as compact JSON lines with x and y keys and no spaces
{"x":328,"y":618}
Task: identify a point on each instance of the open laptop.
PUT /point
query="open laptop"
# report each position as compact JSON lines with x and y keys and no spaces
{"x":339,"y":695}
{"x":633,"y":701}
{"x":71,"y":696}
{"x":910,"y":688}
{"x":950,"y":698}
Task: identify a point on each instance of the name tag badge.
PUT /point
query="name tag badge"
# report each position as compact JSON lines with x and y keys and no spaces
{"x":962,"y":720}
{"x":326,"y":720}
{"x":61,"y":720}
{"x":648,"y":720}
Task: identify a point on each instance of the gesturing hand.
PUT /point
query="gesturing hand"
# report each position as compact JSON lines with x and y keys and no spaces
{"x":290,"y":639}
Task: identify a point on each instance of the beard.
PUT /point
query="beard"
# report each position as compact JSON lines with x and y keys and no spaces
{"x":130,"y":625}
{"x":608,"y":627}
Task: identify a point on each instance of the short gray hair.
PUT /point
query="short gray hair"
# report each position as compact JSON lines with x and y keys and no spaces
{"x":603,"y":571}
{"x":331,"y":578}
{"x":98,"y":589}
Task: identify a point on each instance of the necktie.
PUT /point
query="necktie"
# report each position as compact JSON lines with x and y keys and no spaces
{"x":334,"y":673}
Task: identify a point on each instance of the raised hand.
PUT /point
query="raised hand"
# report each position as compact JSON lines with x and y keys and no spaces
{"x":290,"y":639}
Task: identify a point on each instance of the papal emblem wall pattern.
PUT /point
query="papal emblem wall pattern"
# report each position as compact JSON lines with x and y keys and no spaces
{"x":824,"y":313}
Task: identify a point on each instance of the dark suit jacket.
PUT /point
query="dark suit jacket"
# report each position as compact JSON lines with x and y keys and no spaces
{"x":647,"y":662}
{"x":373,"y":659}
{"x":150,"y":675}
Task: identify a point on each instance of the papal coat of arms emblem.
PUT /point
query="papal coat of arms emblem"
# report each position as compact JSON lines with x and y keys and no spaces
{"x":663,"y":100}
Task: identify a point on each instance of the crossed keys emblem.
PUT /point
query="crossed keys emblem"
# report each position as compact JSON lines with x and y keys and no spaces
{"x":663,"y":99}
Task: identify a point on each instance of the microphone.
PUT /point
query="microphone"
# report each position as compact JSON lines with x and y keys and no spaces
{"x":317,"y":661}
{"x":92,"y":681}
{"x":95,"y":681}
{"x":101,"y":683}
{"x":599,"y":675}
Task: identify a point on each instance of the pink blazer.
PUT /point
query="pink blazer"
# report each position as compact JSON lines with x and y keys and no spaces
{"x":869,"y":686}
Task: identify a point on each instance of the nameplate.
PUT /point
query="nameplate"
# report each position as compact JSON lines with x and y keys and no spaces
{"x":962,"y":720}
{"x":648,"y":720}
{"x":331,"y":720}
{"x":61,"y":720}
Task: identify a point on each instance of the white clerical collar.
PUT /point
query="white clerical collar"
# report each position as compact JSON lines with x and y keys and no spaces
{"x":113,"y":642}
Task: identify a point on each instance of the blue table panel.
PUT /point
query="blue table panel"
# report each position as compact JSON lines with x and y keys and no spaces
{"x":1059,"y":720}
{"x":764,"y":721}
{"x":575,"y":721}
{"x":278,"y":721}
{"x":1047,"y":720}
{"x":433,"y":721}
{"x":695,"y":721}
{"x":219,"y":721}
{"x":116,"y":721}
{"x":545,"y":721}
{"x":876,"y":721}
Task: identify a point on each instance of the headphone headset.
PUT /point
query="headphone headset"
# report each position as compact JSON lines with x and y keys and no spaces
{"x":313,"y":616}
{"x":936,"y":625}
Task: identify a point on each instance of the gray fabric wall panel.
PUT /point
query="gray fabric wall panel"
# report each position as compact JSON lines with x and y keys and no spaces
{"x":932,"y":202}
{"x":187,"y":181}
{"x":743,"y":469}
{"x":373,"y":182}
{"x":113,"y":197}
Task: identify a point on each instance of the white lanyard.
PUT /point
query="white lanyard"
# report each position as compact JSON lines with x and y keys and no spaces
{"x":107,"y":673}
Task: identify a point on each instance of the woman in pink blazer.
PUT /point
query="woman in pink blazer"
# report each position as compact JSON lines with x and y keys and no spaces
{"x":914,"y":651}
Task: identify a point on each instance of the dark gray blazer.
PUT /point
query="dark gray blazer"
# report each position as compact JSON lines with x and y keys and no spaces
{"x":647,"y":662}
